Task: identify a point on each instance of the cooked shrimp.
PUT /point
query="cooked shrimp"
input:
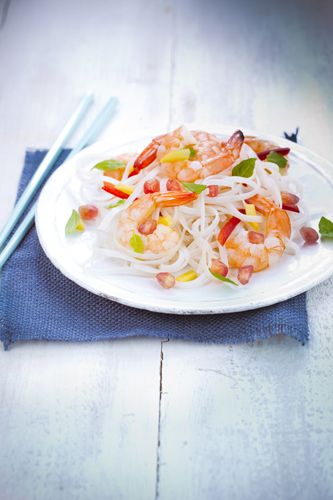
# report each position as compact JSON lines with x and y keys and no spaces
{"x":160,"y":143}
{"x":211,"y":155}
{"x":142,"y":217}
{"x":226,"y":157}
{"x":242,"y":251}
{"x":259,"y":145}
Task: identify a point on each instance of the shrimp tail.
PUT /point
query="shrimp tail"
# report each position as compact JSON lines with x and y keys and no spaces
{"x":145,"y":158}
{"x":173,"y":198}
{"x":234,"y":144}
{"x":278,"y":221}
{"x":148,"y":155}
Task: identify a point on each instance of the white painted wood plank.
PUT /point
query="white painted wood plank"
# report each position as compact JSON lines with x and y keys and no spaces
{"x":52,"y":53}
{"x":227,"y":69}
{"x":252,"y":421}
{"x":259,"y":65}
{"x":79,"y":421}
{"x":249,"y":421}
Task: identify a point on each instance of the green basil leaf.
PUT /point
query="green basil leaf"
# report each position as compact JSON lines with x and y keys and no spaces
{"x":114,"y":205}
{"x":137,"y":243}
{"x":223,"y":278}
{"x":245,"y":168}
{"x":74,"y":223}
{"x":195,"y":188}
{"x":326,"y":227}
{"x":192,"y":153}
{"x":275,"y":157}
{"x":110,"y":165}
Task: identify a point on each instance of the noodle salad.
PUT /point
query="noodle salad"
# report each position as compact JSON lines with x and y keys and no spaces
{"x":191,"y":209}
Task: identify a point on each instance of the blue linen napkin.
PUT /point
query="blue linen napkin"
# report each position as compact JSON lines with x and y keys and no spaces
{"x":38,"y":303}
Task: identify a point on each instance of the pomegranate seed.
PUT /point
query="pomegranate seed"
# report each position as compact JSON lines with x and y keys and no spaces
{"x":309,"y":235}
{"x":147,"y":227}
{"x":173,"y":185}
{"x":244,"y":274}
{"x":281,"y":151}
{"x":166,"y":280}
{"x":219,"y":267}
{"x":88,"y":212}
{"x":213,"y":191}
{"x":291,"y":208}
{"x":289,"y":198}
{"x":255,"y":237}
{"x":152,"y":186}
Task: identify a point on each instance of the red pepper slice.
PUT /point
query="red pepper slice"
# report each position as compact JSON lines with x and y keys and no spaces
{"x":227,"y":229}
{"x":282,"y":151}
{"x":111,"y":188}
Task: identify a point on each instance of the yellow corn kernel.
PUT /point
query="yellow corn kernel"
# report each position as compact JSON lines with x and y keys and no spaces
{"x":188,"y":276}
{"x":251,"y":210}
{"x":125,"y":188}
{"x":165,"y":220}
{"x":176,"y":155}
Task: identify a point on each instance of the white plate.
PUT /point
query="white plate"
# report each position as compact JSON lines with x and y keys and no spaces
{"x":290,"y":277}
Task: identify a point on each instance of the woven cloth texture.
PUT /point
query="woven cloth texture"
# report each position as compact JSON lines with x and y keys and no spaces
{"x":37,"y":302}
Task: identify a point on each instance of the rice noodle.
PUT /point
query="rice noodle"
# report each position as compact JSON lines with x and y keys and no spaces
{"x":198,"y":223}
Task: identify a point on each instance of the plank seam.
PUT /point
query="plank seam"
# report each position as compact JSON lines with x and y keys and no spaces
{"x":159,"y":422}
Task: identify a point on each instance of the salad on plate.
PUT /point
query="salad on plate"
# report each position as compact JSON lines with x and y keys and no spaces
{"x":192,"y":208}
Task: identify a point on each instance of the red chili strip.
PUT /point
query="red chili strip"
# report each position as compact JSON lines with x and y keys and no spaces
{"x":227,"y":229}
{"x":111,"y":188}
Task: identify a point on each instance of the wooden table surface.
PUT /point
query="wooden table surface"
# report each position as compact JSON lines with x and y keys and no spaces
{"x":144,"y":418}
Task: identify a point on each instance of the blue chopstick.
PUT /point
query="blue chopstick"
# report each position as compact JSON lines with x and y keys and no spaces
{"x":89,"y":136}
{"x":96,"y":127}
{"x":45,"y":167}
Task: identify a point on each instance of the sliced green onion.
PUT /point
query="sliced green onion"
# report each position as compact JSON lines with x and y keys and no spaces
{"x":136,"y":243}
{"x":223,"y":278}
{"x":194,"y":188}
{"x":114,"y":205}
{"x":192,"y":153}
{"x":110,"y":165}
{"x":74,"y":223}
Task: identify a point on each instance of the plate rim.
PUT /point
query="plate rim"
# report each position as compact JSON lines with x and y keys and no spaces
{"x":173,"y":306}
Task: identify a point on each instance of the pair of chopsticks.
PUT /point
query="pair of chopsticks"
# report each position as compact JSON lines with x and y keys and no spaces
{"x":44,"y":169}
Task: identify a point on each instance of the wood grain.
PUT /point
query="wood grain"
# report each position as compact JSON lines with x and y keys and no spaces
{"x":111,"y":420}
{"x":79,"y":421}
{"x":252,"y":421}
